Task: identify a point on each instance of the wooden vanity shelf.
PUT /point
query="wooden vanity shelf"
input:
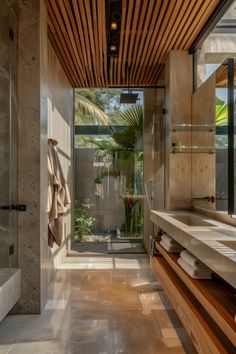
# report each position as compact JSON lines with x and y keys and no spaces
{"x":206,"y":308}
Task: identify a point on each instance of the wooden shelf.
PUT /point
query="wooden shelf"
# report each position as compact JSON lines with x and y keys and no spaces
{"x":203,"y":331}
{"x":217,"y":300}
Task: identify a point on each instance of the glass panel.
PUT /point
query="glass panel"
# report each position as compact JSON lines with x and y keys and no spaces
{"x":13,"y":140}
{"x":109,"y":151}
{"x":4,"y":138}
{"x":221,"y":137}
{"x":218,"y":46}
{"x":210,"y":108}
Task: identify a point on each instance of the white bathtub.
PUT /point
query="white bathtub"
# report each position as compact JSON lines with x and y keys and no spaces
{"x":10,"y":290}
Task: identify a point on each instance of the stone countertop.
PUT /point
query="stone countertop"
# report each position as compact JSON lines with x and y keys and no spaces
{"x":213,"y":243}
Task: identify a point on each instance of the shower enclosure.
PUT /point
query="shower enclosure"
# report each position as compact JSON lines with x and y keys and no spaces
{"x":9,"y":274}
{"x":108,"y":154}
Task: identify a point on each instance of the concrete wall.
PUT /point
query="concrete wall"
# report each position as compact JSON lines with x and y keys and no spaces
{"x":32,"y":153}
{"x":60,"y":104}
{"x":204,"y":164}
{"x":45,"y":110}
{"x":109,"y":212}
{"x":178,"y":73}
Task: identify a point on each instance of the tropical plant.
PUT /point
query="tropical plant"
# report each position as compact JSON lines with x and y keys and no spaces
{"x":83,"y":222}
{"x":221,"y":117}
{"x":130,"y":134}
{"x":92,"y":105}
{"x":125,"y":149}
{"x":88,"y":113}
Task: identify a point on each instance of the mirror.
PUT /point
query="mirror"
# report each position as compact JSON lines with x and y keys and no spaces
{"x":213,"y":141}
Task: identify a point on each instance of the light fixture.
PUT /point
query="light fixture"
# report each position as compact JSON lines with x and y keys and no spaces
{"x":113,"y":14}
{"x":113,"y":48}
{"x":114,"y":26}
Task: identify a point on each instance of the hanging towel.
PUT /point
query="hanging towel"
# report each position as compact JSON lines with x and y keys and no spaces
{"x":58,"y":195}
{"x":193,"y":273}
{"x":192,"y":260}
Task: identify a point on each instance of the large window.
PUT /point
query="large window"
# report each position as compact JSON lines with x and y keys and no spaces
{"x":108,"y":165}
{"x":219,"y":45}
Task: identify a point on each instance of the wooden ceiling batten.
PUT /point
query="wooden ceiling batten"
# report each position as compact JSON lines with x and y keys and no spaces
{"x":100,"y":38}
{"x":164,"y":26}
{"x":178,"y":27}
{"x":70,"y":35}
{"x":96,"y":41}
{"x":149,"y":29}
{"x":133,"y":30}
{"x":147,"y":62}
{"x":148,"y":43}
{"x":126,"y":39}
{"x":144,"y":36}
{"x":170,"y":35}
{"x":71,"y":25}
{"x":193,"y":18}
{"x":104,"y":38}
{"x":122,"y":31}
{"x":61,"y":40}
{"x":143,"y":11}
{"x":205,"y":15}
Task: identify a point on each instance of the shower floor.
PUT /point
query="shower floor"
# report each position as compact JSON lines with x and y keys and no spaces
{"x":104,"y":248}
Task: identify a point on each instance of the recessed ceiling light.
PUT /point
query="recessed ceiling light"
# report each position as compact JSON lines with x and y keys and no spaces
{"x":113,"y":48}
{"x":114,"y":26}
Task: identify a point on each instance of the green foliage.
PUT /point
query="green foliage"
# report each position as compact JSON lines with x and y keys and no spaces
{"x":97,"y":106}
{"x":83,"y":222}
{"x":130,"y":136}
{"x":124,"y":148}
{"x":88,"y":113}
{"x":221,"y":112}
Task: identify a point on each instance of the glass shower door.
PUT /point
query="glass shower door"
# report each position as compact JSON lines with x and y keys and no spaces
{"x":8,"y":140}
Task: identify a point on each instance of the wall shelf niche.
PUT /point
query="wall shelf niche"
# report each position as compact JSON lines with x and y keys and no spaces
{"x":177,"y":149}
{"x":193,"y":127}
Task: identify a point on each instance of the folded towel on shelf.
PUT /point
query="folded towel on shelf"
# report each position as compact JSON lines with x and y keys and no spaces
{"x":190,"y":259}
{"x":194,"y":273}
{"x":170,"y":248}
{"x":169,"y":240}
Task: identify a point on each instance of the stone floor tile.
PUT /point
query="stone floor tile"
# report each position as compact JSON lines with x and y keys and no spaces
{"x":118,"y":310}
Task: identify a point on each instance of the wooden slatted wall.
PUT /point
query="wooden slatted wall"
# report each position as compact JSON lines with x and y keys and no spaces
{"x":149,"y":30}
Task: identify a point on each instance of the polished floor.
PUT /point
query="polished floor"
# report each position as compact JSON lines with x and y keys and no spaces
{"x":95,"y":311}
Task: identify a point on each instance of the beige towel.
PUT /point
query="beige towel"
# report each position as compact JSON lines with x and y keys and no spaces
{"x":58,"y":195}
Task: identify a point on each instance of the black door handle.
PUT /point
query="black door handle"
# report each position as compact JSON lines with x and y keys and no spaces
{"x":17,"y":207}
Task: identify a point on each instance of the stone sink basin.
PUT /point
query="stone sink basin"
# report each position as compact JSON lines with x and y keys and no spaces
{"x":191,"y":220}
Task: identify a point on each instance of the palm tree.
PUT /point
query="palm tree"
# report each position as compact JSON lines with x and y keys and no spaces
{"x":86,"y":111}
{"x":126,"y":151}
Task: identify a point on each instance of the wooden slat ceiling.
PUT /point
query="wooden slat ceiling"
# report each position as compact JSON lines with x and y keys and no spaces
{"x":221,"y":76}
{"x":149,"y":30}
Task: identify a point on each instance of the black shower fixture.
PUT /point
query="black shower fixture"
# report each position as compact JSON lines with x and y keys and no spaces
{"x":129,"y":97}
{"x":114,"y":10}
